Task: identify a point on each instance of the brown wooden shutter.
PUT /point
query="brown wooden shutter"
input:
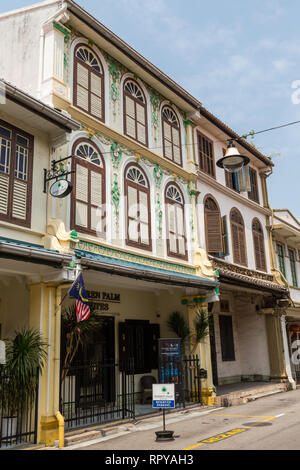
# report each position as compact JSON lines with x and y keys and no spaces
{"x":259,"y":246}
{"x":206,"y":155}
{"x":235,"y":244}
{"x":214,"y":234}
{"x":253,"y":194}
{"x":16,"y":149}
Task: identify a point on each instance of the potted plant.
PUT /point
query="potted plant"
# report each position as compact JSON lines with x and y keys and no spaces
{"x":25,"y":358}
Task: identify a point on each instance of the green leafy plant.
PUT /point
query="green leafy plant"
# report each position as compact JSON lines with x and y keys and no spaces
{"x":201,"y":326}
{"x":25,"y":358}
{"x":179,"y":326}
{"x":76,"y":334}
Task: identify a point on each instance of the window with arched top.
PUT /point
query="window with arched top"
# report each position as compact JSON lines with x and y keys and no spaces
{"x":88,"y":196}
{"x":135,"y":112}
{"x":88,"y":93}
{"x":175,"y":222}
{"x":239,"y":249}
{"x":259,"y":245}
{"x":171,"y":135}
{"x":138,"y":212}
{"x":213,"y":226}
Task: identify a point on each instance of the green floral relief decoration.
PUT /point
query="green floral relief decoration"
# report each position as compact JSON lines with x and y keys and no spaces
{"x":159,"y":214}
{"x":115,"y":192}
{"x":115,"y":71}
{"x":116,"y":154}
{"x":155,"y":99}
{"x":158,"y":175}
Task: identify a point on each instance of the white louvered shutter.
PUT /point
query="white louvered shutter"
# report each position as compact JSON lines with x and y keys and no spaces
{"x":172,"y":228}
{"x":82,"y":87}
{"x":96,"y":201}
{"x":144,"y":217}
{"x":132,"y":214}
{"x":81,"y":210}
{"x":141,"y":123}
{"x":130,"y":117}
{"x":180,"y":230}
{"x":19,"y":202}
{"x":96,"y":95}
{"x":4,"y":191}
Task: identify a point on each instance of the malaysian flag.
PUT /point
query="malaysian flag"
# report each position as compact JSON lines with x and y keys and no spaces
{"x":77,"y":291}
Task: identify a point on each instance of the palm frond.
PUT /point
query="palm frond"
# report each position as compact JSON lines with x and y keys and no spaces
{"x":179,"y":326}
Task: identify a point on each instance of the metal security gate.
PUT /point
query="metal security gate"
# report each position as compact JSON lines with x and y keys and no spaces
{"x":18,"y":415}
{"x":186,"y":374}
{"x":97,"y":392}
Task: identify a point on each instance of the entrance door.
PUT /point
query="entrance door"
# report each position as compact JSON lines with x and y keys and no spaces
{"x":96,"y":381}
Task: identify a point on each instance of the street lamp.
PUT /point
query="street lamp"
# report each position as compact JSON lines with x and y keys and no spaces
{"x":233,"y":160}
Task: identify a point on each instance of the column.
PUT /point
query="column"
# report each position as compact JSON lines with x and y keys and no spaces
{"x":43,"y":316}
{"x":196,"y":304}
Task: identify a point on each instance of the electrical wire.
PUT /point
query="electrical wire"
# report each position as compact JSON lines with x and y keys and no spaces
{"x":243,"y":136}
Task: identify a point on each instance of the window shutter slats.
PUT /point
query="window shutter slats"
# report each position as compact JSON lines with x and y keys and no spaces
{"x":206,"y":155}
{"x":4,"y":191}
{"x":19,"y":203}
{"x":82,"y":76}
{"x":81,"y":183}
{"x":89,"y":83}
{"x":140,"y":113}
{"x":259,"y":245}
{"x":96,"y":188}
{"x":214,"y":236}
{"x":130,"y":108}
{"x":130,"y":127}
{"x":96,"y":84}
{"x":96,"y":106}
{"x":141,"y":133}
{"x":235,"y":244}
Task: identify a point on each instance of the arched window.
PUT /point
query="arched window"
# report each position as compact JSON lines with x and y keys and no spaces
{"x":238,"y":237}
{"x":135,"y":112}
{"x":259,"y":245}
{"x":88,"y":92}
{"x":176,"y":238}
{"x":88,"y":196}
{"x":213,"y":226}
{"x":138,"y":213}
{"x":171,"y":135}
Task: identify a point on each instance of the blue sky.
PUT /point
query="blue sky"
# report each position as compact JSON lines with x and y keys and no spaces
{"x":240,"y":59}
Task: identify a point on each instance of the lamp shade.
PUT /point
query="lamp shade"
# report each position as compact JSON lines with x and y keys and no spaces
{"x":233,"y":160}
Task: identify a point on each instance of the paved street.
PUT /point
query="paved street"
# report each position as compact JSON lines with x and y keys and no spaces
{"x":270,"y":423}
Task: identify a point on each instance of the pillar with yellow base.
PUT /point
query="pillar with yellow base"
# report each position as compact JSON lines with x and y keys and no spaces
{"x":45,"y":316}
{"x":194,"y":305}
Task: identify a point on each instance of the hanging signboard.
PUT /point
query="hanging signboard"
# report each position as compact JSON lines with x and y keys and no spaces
{"x":163,"y":396}
{"x":61,"y":188}
{"x":170,"y":365}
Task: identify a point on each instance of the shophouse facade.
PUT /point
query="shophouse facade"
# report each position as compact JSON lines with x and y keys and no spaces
{"x":285,"y":230}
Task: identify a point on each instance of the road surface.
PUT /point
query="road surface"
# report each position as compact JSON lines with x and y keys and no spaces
{"x":269,"y":423}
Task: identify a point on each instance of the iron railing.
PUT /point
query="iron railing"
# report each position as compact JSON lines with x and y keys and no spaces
{"x":95,"y":393}
{"x":92,"y":393}
{"x":18,"y":414}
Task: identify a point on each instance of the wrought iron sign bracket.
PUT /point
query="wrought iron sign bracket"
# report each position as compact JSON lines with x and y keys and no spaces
{"x":57,"y":171}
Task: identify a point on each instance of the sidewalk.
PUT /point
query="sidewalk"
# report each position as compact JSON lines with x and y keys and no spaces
{"x":242,"y":392}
